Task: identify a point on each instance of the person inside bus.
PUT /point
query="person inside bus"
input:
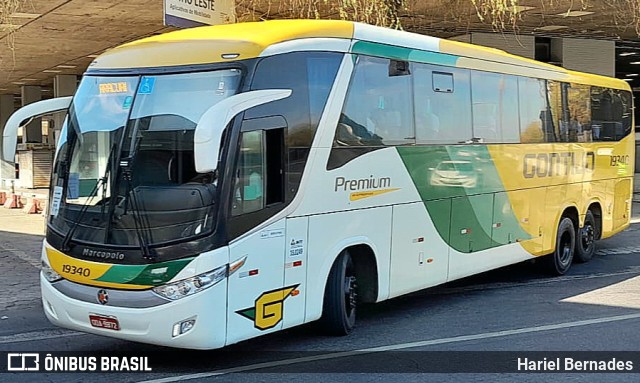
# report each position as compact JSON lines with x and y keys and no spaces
{"x":587,"y":132}
{"x":351,"y":133}
{"x":248,"y":193}
{"x":427,"y":123}
{"x":346,"y":137}
{"x":563,"y":132}
{"x":575,"y":128}
{"x":377,"y":122}
{"x":386,"y":122}
{"x":254,"y":186}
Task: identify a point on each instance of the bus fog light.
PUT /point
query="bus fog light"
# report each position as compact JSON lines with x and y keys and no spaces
{"x":183,"y":327}
{"x":49,"y":274}
{"x":187,"y":326}
{"x":189,"y":286}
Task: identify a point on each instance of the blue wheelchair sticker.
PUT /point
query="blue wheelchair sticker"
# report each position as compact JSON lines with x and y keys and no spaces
{"x":127,"y":102}
{"x":146,"y":85}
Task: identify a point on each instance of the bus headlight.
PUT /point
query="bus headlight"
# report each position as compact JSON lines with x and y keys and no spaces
{"x":189,"y":286}
{"x":49,"y":274}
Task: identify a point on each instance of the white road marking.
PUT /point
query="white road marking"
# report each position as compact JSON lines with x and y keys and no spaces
{"x":623,"y":294}
{"x":395,"y":347}
{"x":38,"y":335}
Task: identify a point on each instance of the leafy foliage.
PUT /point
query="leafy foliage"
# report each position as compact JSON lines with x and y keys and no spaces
{"x":7,"y":8}
{"x":377,"y":12}
{"x":501,"y":15}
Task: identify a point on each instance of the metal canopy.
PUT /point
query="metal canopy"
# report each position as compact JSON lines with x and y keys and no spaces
{"x":63,"y":36}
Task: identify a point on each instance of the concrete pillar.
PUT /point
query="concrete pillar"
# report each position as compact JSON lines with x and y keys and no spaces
{"x":557,"y":49}
{"x":462,"y":38}
{"x":33,"y":131}
{"x":63,"y":85}
{"x":591,"y":56}
{"x":524,"y":46}
{"x":7,"y":107}
{"x":573,"y":54}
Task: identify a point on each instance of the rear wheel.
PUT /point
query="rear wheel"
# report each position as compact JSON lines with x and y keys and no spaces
{"x":340,"y":297}
{"x":586,"y":240}
{"x":559,"y":262}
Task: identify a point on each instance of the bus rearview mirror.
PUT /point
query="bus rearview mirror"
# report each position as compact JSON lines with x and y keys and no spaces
{"x":208,"y":134}
{"x":26,"y":113}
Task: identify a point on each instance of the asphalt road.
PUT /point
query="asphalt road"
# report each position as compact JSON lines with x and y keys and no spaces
{"x":595,"y":307}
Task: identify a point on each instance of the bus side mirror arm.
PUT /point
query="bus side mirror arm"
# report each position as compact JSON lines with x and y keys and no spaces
{"x":208,"y":134}
{"x":26,"y":113}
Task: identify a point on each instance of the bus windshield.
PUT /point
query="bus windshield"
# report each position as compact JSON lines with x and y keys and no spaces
{"x":125,"y":172}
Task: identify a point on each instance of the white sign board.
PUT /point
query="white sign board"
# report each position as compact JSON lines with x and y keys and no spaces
{"x":55,"y":201}
{"x":194,"y":13}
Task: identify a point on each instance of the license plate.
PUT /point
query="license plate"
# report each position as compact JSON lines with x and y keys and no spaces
{"x":102,"y":321}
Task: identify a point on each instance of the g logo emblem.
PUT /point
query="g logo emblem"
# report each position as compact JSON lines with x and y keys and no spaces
{"x":267,"y":312}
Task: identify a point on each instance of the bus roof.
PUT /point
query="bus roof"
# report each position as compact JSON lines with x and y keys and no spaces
{"x":240,"y":41}
{"x":205,"y":45}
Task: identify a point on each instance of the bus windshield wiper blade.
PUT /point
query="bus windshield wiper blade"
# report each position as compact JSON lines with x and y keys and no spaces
{"x":142,"y":230}
{"x":101,"y":182}
{"x":67,"y":238}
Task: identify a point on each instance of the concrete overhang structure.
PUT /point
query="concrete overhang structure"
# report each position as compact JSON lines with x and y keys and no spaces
{"x":57,"y":37}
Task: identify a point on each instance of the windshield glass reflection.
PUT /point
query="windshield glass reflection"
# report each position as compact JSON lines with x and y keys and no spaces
{"x":126,"y":164}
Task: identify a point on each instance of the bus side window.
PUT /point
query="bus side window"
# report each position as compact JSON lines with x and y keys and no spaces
{"x":560,"y":130}
{"x":378,"y":108}
{"x":534,"y":112}
{"x":627,"y":112}
{"x":611,"y":114}
{"x":248,"y":191}
{"x":442,"y":98}
{"x":495,"y":107}
{"x":579,"y":98}
{"x":259,"y":181}
{"x":377,"y":112}
{"x":310,"y":76}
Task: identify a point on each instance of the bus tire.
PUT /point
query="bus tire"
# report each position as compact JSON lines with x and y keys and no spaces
{"x":586,"y":239}
{"x":559,"y":262}
{"x":340,"y":297}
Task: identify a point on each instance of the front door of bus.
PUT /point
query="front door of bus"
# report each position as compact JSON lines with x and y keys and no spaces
{"x":256,"y":291}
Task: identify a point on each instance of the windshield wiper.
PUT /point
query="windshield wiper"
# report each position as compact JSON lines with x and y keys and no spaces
{"x":142,"y":229}
{"x":101,"y":182}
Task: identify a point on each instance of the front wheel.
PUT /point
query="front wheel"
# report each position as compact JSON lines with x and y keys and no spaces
{"x":559,"y":262}
{"x":340,"y":297}
{"x":586,"y":240}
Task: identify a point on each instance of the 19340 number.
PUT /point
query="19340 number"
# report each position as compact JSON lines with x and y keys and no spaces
{"x":70,"y":269}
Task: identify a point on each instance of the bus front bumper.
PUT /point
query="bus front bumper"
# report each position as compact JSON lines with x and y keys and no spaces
{"x":154,"y":325}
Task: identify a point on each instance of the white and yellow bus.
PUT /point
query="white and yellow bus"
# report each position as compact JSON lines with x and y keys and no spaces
{"x":216,"y":184}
